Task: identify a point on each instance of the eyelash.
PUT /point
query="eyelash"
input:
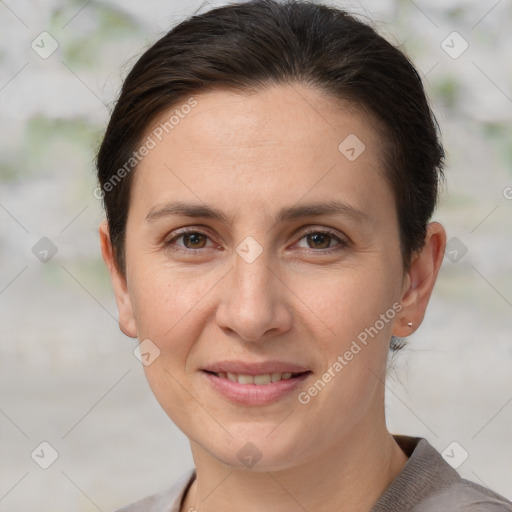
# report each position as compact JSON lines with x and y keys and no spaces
{"x":342,"y":243}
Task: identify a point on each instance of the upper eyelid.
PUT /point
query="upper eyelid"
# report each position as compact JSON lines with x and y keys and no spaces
{"x":326,"y":231}
{"x":185,"y":231}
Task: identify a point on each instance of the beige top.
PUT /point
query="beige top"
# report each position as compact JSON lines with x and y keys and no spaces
{"x":427,"y":483}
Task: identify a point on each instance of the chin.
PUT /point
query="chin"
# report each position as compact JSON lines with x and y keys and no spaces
{"x":254,"y":451}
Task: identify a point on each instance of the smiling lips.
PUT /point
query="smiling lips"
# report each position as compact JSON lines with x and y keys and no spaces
{"x":256,"y":383}
{"x":259,"y":380}
{"x":267,"y":367}
{"x":255,"y":373}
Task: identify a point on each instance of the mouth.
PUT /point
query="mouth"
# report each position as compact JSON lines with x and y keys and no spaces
{"x":259,"y":380}
{"x":254,"y":390}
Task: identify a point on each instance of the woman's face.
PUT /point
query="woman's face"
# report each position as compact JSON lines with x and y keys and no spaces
{"x":250,"y":285}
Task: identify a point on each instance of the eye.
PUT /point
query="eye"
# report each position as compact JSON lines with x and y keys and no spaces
{"x":321,"y":240}
{"x":192,"y":240}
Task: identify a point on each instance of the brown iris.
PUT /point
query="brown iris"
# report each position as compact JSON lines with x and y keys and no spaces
{"x":195,"y":240}
{"x":317,"y":239}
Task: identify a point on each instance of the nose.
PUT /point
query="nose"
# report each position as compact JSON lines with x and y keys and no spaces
{"x":255,"y":303}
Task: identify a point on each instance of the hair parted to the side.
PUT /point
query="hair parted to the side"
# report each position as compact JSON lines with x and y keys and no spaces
{"x":248,"y":46}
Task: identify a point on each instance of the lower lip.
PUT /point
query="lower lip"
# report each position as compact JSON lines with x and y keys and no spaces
{"x":253,"y":394}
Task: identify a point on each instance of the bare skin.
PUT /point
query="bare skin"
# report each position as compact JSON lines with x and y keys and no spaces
{"x":303,"y":300}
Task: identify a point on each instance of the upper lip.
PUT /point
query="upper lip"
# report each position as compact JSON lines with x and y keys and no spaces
{"x":261,"y":368}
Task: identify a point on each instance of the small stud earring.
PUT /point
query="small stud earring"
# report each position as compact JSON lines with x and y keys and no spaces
{"x":409,"y":324}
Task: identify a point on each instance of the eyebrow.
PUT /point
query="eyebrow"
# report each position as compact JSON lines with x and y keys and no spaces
{"x":314,"y":209}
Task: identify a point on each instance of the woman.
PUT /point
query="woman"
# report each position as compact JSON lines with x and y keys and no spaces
{"x":268,"y":173}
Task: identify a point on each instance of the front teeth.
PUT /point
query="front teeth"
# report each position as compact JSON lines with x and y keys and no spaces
{"x":259,"y":380}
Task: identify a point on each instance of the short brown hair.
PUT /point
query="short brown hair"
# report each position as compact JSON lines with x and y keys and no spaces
{"x":250,"y":45}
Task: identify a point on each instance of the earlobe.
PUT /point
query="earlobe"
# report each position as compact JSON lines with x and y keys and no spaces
{"x":119,"y":284}
{"x":420,"y":280}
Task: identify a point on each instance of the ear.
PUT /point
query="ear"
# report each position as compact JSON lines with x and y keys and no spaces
{"x":420,"y":279}
{"x":124,"y":305}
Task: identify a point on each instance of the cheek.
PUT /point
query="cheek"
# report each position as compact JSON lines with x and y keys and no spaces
{"x":164,"y":299}
{"x":169,"y":310}
{"x":172,"y":309}
{"x":347,"y":301}
{"x":352,"y":325}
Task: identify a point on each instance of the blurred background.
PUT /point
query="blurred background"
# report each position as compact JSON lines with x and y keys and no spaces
{"x":68,"y":376}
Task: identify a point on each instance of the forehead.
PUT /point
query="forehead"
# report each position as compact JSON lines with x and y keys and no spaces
{"x":275,"y":146}
{"x":273,"y":116}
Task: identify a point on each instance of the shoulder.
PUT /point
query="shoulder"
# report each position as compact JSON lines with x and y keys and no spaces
{"x":427,"y":483}
{"x":166,"y":501}
{"x":464,"y":496}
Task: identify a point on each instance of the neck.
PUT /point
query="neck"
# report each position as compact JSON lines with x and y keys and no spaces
{"x":349,"y":476}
